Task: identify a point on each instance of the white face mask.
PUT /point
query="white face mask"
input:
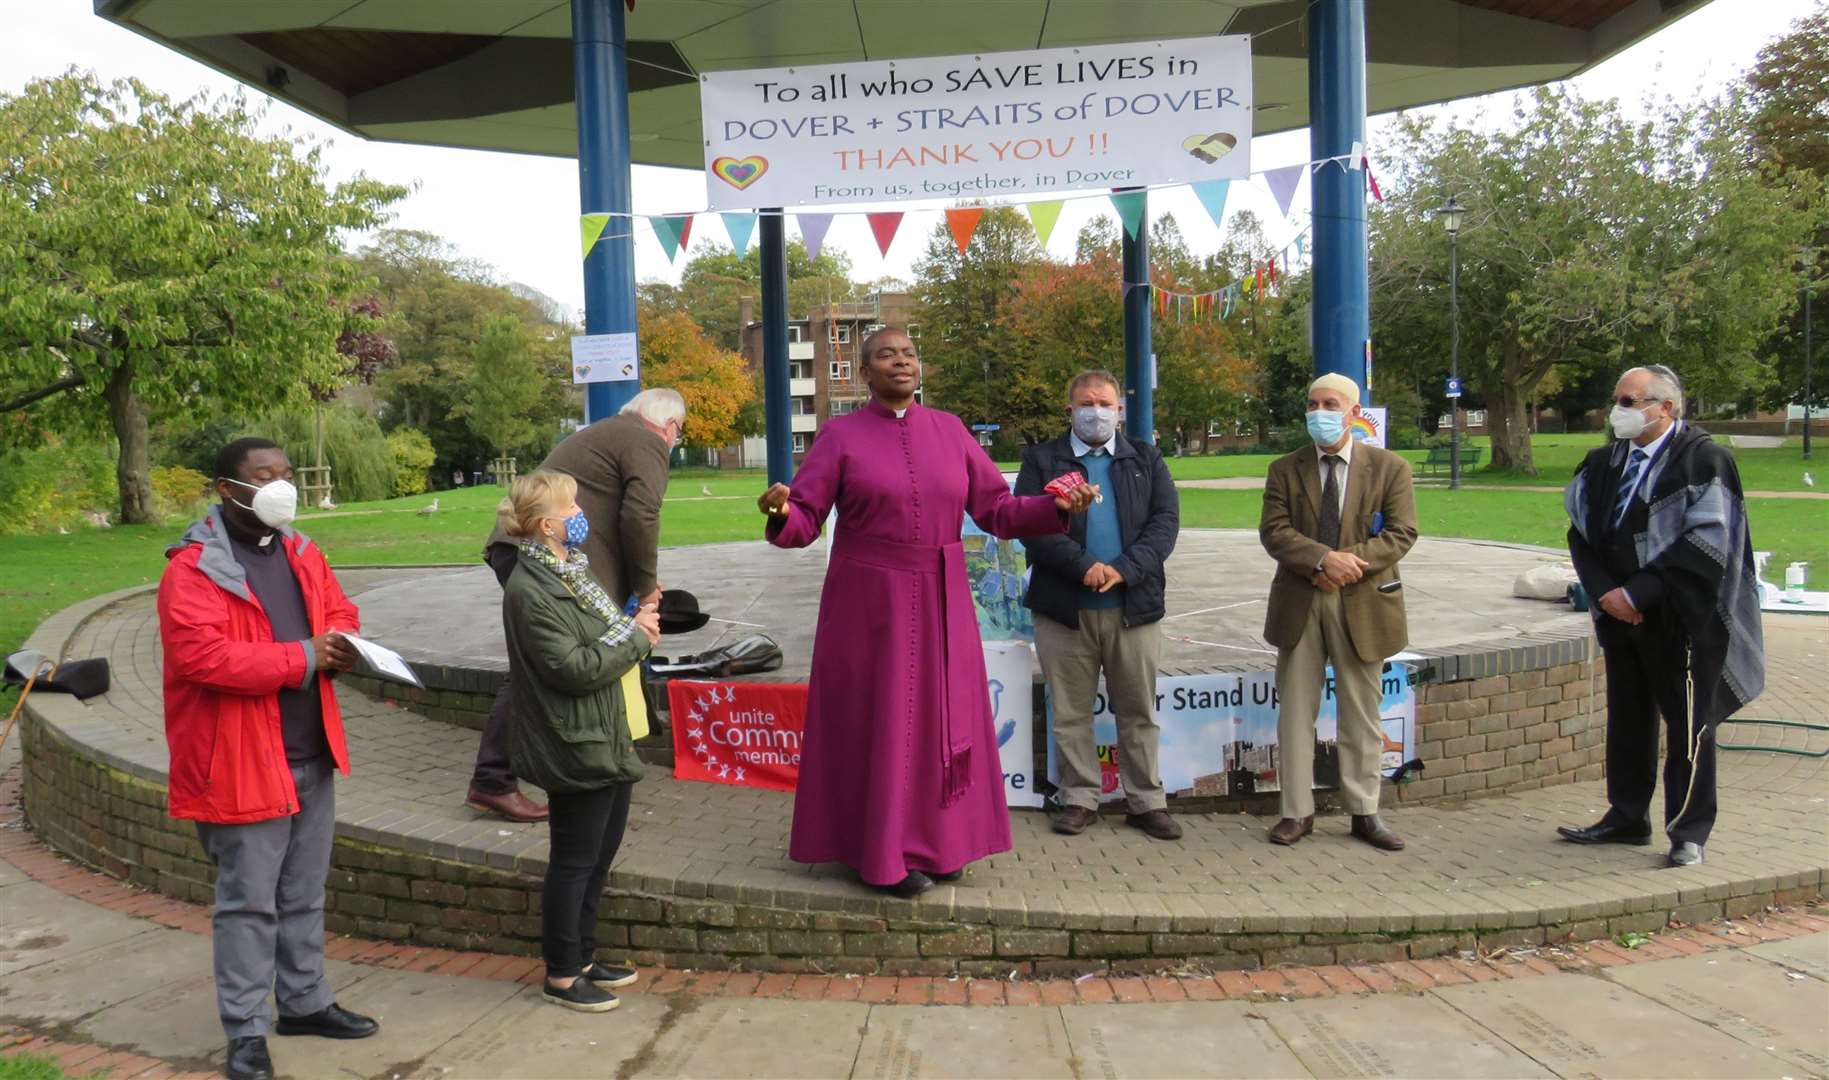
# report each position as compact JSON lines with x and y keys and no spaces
{"x":275,"y":503}
{"x":1628,"y":423}
{"x":1095,"y":424}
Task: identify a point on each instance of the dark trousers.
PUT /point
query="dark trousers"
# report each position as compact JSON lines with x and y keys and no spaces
{"x":493,"y":774}
{"x":586,"y":831}
{"x":1647,"y":676}
{"x":267,"y":928}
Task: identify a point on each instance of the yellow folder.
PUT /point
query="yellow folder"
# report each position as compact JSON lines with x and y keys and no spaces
{"x":634,"y":702}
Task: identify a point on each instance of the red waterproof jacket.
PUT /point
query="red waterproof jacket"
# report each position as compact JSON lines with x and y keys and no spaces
{"x":224,"y":671}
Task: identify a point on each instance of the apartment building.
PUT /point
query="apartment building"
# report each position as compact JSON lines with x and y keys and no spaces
{"x":825,"y":360}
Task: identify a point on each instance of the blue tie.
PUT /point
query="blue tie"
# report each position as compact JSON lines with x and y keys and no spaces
{"x":1628,"y":483}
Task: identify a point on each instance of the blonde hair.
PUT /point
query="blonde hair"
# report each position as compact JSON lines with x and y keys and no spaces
{"x":531,"y":498}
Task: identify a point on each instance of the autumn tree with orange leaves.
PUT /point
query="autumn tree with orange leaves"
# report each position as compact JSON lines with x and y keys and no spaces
{"x":716,"y":383}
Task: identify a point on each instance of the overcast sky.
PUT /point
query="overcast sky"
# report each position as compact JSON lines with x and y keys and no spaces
{"x":520,"y":213}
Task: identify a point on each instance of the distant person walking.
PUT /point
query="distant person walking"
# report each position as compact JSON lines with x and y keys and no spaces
{"x":1097,"y":593}
{"x":1659,"y":535}
{"x":1338,"y":517}
{"x":899,"y":778}
{"x":251,"y":622}
{"x":620,"y":465}
{"x":569,"y":646}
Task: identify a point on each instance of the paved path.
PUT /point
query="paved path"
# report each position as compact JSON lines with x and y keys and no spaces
{"x":106,"y":980}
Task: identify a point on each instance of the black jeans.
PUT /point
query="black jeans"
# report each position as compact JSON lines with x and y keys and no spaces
{"x":586,"y":831}
{"x":493,"y":774}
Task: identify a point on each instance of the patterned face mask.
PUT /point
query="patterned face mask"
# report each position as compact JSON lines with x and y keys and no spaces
{"x":577,"y":527}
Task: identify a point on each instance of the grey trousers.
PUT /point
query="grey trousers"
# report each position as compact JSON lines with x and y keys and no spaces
{"x":268,"y":923}
{"x":1300,"y":673}
{"x":1071,"y":661}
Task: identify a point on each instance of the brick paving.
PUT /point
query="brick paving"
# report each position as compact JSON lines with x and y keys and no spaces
{"x":1484,"y":864}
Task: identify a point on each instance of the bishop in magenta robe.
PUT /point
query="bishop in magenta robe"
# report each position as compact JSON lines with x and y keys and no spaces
{"x":899,"y":770}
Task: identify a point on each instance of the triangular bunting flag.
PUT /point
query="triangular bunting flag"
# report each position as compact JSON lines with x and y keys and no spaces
{"x":963,"y":221}
{"x":1212,"y":195}
{"x":1043,"y":215}
{"x":1302,"y":244}
{"x":883,"y":226}
{"x":1130,"y":206}
{"x":741,"y":226}
{"x":1371,"y":180}
{"x":590,"y":228}
{"x":1283,"y":184}
{"x":1260,"y":279}
{"x":673,"y":231}
{"x":813,"y":231}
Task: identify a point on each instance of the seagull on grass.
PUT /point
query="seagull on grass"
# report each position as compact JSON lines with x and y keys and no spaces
{"x":427,"y":511}
{"x":704,"y":489}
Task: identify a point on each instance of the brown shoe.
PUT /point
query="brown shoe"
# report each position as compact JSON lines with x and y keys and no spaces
{"x":1287,"y":831}
{"x":513,"y":805}
{"x":1073,"y":820}
{"x":1367,"y":827}
{"x":1155,"y":823}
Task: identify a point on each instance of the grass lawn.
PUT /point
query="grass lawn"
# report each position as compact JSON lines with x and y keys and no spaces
{"x":40,"y":575}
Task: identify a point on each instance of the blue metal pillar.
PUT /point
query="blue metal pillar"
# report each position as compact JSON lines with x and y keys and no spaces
{"x":777,"y":416}
{"x":601,"y":80}
{"x":1139,"y":371}
{"x":1336,"y":95}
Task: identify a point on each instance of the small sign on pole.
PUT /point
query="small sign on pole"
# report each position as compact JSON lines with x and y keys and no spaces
{"x":600,"y":358}
{"x":1454,"y":388}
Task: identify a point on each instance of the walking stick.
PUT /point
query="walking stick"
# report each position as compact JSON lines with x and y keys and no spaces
{"x":45,"y":668}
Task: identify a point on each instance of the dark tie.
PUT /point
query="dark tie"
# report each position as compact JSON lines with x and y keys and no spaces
{"x":1330,"y":503}
{"x":1634,"y":466}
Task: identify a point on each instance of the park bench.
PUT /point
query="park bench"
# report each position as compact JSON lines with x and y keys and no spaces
{"x":1442,"y":457}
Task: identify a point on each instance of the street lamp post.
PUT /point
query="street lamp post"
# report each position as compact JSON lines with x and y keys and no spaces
{"x":1809,"y":260}
{"x":1451,"y":220}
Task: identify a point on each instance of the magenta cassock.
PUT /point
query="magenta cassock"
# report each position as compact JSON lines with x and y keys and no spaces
{"x":899,"y":770}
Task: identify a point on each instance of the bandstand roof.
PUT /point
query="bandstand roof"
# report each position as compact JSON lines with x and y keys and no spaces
{"x":497,"y":74}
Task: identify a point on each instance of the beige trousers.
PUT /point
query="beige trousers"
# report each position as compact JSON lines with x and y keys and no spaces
{"x":1071,"y":661}
{"x":1299,"y":675}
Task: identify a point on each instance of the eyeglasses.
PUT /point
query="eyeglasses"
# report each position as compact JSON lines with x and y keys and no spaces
{"x":1627,"y":401}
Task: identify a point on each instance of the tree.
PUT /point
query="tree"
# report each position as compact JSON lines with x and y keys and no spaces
{"x":715,"y":381}
{"x":503,"y":386}
{"x":440,"y":305}
{"x":1591,"y":242}
{"x":161,"y":258}
{"x":1788,"y":94}
{"x":964,"y":294}
{"x":715,"y":281}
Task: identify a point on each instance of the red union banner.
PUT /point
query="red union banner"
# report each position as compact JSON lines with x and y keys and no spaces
{"x":747,"y":734}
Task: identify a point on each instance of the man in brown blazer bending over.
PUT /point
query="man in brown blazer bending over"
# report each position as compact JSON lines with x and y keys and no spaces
{"x":1337,"y":517}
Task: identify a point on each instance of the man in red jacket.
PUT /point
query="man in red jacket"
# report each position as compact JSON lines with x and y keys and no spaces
{"x":250,"y":618}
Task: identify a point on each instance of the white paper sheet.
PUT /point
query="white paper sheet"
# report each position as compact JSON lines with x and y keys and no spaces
{"x":383,"y":659}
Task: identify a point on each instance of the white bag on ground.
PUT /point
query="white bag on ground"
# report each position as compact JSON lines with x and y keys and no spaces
{"x":1550,"y":581}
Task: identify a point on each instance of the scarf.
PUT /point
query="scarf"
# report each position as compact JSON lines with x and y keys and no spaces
{"x":575,"y":573}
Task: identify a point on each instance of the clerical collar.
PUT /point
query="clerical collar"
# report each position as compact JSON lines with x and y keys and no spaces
{"x":885,"y":411}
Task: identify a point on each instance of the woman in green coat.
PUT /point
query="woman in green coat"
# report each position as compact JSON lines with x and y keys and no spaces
{"x":569,"y":647}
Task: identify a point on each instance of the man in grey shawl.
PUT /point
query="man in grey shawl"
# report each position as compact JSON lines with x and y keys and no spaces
{"x":1659,"y":538}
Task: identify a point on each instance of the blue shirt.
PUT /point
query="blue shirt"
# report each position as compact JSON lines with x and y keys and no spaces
{"x":1104,"y":540}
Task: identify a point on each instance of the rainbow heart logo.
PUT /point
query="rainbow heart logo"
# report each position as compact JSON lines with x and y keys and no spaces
{"x":740,"y":172}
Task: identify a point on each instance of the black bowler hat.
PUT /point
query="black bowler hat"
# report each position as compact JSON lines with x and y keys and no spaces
{"x":679,"y":612}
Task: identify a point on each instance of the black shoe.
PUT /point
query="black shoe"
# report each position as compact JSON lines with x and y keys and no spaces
{"x":909,"y":887}
{"x":1604,"y":831}
{"x":954,"y":876}
{"x":1686,"y":854}
{"x":582,"y":995}
{"x":609,"y":977}
{"x":334,"y":1022}
{"x":248,"y":1059}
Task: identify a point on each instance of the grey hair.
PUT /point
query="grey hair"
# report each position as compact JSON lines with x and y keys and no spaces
{"x":1665,"y":385}
{"x":1091,"y":376}
{"x":658,"y":406}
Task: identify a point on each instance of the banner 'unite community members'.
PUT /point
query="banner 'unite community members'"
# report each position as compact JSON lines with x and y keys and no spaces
{"x":570,"y":644}
{"x":1658,"y":532}
{"x":1338,"y":516}
{"x":250,"y":619}
{"x":900,"y":778}
{"x":620,"y":465}
{"x":1097,"y":593}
